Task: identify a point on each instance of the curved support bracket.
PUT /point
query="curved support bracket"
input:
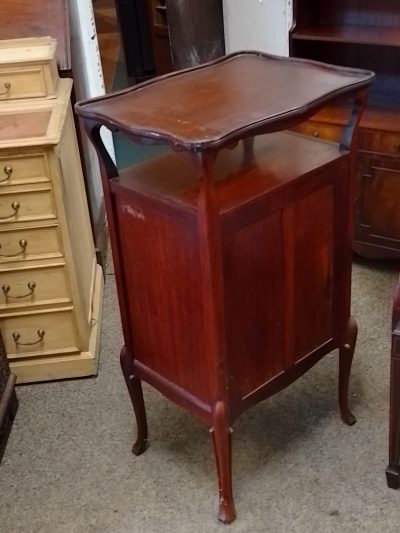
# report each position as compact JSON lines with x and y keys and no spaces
{"x":93,"y":131}
{"x":349,"y":133}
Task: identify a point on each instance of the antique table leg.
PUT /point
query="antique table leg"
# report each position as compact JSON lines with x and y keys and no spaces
{"x":135,"y":392}
{"x":346,"y":353}
{"x":108,"y":171}
{"x":393,"y":469}
{"x":222,"y":440}
{"x":212,"y":288}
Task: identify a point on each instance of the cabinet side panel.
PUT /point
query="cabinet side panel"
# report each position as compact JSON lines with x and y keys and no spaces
{"x":313,"y":260}
{"x":74,"y":204}
{"x":162,"y":279}
{"x":254,"y":292}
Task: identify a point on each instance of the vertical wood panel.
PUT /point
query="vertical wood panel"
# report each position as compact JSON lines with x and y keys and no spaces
{"x":313,"y":258}
{"x":163,"y":292}
{"x":254,"y":302}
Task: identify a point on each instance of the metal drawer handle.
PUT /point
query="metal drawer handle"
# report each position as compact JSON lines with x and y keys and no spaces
{"x":7,"y":88}
{"x":23,"y":243}
{"x":15,"y":207}
{"x":17,"y":335}
{"x":7,"y":171}
{"x":31,"y":286}
{"x":316,"y":134}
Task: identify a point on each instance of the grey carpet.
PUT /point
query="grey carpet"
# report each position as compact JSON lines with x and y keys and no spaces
{"x":68,"y":466}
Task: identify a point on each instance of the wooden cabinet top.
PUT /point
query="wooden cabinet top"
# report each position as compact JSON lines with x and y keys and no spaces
{"x":242,"y":94}
{"x":27,"y":51}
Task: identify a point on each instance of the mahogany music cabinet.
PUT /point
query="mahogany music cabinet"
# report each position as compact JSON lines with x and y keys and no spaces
{"x":232,"y":250}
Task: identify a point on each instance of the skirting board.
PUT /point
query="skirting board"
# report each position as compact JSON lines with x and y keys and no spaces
{"x":68,"y":366}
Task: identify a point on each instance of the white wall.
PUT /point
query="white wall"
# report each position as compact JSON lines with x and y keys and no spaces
{"x":88,"y":81}
{"x":258,"y":25}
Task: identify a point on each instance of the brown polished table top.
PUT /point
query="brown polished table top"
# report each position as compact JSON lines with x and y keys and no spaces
{"x":211,"y":105}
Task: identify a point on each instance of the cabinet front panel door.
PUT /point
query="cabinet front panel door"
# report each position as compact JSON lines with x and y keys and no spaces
{"x":254,"y":302}
{"x":313,"y":264}
{"x":380,"y":198}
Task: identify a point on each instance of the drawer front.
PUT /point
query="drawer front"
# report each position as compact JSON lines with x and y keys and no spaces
{"x":22,"y":82}
{"x":29,"y":243}
{"x":326,"y":132}
{"x":24,"y":169}
{"x":39,"y":334}
{"x":27,"y":287}
{"x":378,"y":141}
{"x":27,"y":206}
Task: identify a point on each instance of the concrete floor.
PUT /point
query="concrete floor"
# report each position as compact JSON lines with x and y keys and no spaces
{"x":68,"y":466}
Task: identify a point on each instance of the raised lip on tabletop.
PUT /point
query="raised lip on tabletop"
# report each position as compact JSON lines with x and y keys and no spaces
{"x":295,"y":115}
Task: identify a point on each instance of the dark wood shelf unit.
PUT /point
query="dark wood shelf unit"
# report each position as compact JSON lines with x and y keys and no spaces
{"x":159,"y":31}
{"x":356,"y":34}
{"x":364,"y":34}
{"x":160,"y":13}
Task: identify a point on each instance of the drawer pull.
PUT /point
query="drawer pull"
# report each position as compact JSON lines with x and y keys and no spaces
{"x":23,"y":243}
{"x":17,"y":335}
{"x":15,"y":207}
{"x":31,"y":286}
{"x":7,"y":88}
{"x":7,"y":171}
{"x":315,"y":134}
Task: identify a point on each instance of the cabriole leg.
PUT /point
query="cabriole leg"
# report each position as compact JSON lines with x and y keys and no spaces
{"x":222,"y":440}
{"x":346,"y":353}
{"x":135,"y":392}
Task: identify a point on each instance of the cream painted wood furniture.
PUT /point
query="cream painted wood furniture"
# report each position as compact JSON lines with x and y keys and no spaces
{"x":28,"y":68}
{"x":51,"y":285}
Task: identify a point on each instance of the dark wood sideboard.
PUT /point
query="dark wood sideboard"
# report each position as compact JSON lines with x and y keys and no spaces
{"x":232,"y":251}
{"x":365,"y":34}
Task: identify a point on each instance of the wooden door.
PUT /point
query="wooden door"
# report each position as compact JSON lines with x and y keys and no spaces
{"x":378,"y":200}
